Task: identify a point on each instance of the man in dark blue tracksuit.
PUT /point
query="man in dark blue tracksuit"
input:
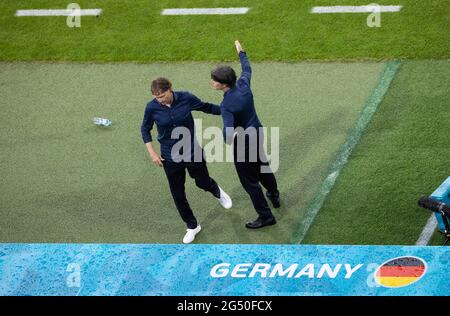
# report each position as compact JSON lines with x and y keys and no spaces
{"x":171,"y":111}
{"x":239,"y":116}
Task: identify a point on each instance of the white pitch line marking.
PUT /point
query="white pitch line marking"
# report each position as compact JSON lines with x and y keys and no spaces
{"x":357,"y":9}
{"x":57,"y":12}
{"x":205,"y":11}
{"x":427,"y":231}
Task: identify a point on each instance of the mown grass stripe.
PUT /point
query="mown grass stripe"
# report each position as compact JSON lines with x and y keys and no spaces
{"x":369,"y":109}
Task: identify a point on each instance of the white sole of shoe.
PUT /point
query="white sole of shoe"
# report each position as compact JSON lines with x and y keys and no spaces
{"x":190,"y":235}
{"x":227,"y":203}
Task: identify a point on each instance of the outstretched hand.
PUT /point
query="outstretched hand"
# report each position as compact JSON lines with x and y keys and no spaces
{"x":238,"y":46}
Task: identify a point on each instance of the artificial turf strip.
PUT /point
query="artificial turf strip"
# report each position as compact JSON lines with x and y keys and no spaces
{"x":402,"y":156}
{"x":272,"y":30}
{"x":344,"y":153}
{"x":66,"y":180}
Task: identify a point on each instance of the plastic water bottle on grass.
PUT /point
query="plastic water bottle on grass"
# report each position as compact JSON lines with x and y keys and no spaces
{"x":102,"y":121}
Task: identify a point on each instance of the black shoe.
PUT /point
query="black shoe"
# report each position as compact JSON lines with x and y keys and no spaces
{"x":259,"y":222}
{"x":274,"y":198}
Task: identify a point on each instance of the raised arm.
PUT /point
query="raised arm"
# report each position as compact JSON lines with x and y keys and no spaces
{"x":246,"y":75}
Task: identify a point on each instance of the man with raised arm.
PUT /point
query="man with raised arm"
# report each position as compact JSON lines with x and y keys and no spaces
{"x":243,"y":128}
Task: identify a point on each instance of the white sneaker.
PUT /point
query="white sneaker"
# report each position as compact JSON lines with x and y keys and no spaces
{"x":225,"y":199}
{"x":190,"y":234}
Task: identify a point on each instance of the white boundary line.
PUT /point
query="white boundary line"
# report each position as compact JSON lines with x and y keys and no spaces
{"x":357,"y":9}
{"x":432,"y":222}
{"x":58,"y":12}
{"x":205,"y":11}
{"x":427,"y":231}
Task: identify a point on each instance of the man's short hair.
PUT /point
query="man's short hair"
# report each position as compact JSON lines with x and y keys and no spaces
{"x":160,"y":85}
{"x":224,"y":75}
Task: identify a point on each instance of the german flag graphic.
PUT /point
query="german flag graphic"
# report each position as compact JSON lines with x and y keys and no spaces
{"x":400,"y":272}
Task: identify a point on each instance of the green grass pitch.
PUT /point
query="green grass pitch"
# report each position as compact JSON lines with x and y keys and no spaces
{"x":401,"y":157}
{"x":272,"y":30}
{"x":65,"y":180}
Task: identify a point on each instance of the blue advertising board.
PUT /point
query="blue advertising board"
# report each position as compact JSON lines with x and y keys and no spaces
{"x":223,"y":270}
{"x":442,"y":194}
